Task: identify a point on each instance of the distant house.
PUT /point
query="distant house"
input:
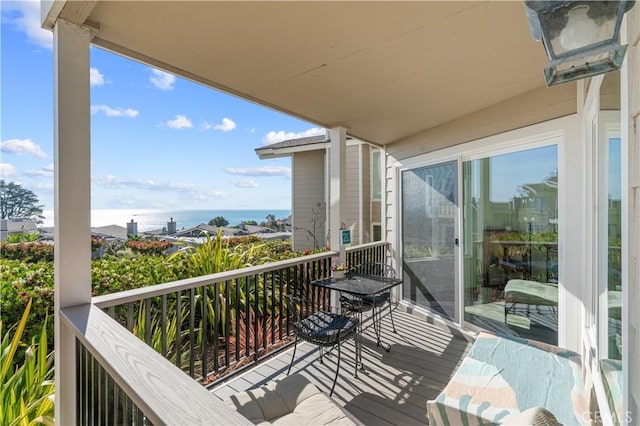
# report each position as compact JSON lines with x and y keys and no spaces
{"x":110,"y":232}
{"x":310,"y":168}
{"x":16,"y":226}
{"x":197,"y":231}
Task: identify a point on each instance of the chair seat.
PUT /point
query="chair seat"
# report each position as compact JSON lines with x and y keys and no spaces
{"x":364,"y":303}
{"x":326,"y":328}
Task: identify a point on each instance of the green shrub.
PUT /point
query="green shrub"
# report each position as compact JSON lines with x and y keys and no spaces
{"x":149,"y":247}
{"x":22,"y":237}
{"x":27,"y":252}
{"x":24,"y":283}
{"x":27,"y":393}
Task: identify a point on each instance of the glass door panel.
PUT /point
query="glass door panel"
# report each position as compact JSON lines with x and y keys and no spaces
{"x":510,"y":222}
{"x":614,"y":250}
{"x":429,"y":217}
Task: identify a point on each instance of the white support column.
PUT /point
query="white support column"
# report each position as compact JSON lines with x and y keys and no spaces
{"x":72,"y":203}
{"x":630,"y":114}
{"x":337,"y":187}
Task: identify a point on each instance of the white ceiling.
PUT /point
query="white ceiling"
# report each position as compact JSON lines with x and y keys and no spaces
{"x":384,"y":70}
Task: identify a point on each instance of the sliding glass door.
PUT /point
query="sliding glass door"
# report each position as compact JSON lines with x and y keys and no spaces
{"x":429,"y":232}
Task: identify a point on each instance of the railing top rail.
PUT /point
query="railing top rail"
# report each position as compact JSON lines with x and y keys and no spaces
{"x":366,"y":245}
{"x":137,"y":294}
{"x":163,"y":392}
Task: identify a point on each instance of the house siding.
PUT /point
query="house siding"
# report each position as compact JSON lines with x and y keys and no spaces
{"x":308,"y":178}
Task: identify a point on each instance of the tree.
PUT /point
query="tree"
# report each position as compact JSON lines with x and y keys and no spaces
{"x":18,"y":202}
{"x":270,"y":221}
{"x":218,"y":221}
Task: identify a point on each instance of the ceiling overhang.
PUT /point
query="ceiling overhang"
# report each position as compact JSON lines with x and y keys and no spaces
{"x":383,"y":70}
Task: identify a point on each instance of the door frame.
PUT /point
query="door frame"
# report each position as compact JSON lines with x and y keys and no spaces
{"x":552,"y":132}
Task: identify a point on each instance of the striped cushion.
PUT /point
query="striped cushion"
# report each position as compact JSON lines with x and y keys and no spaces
{"x":505,"y":375}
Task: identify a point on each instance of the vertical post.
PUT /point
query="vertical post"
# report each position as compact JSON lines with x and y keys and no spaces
{"x":337,"y":188}
{"x":630,"y":115}
{"x":72,"y":204}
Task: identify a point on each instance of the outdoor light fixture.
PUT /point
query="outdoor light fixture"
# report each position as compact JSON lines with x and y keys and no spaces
{"x":580,"y":37}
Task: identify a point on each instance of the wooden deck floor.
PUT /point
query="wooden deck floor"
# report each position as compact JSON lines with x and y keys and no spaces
{"x":395,"y":385}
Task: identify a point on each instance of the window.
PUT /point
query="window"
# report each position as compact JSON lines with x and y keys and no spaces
{"x":377,"y":232}
{"x":376,"y":181}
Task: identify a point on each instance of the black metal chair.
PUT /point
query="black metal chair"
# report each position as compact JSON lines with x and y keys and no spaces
{"x":353,"y":304}
{"x":323,"y":328}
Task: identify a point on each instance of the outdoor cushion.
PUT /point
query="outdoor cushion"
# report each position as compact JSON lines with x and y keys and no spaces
{"x":531,"y":293}
{"x":536,"y":416}
{"x":503,"y":375}
{"x":293,"y":400}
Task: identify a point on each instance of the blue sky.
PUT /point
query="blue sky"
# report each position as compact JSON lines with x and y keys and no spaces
{"x":157,"y":141}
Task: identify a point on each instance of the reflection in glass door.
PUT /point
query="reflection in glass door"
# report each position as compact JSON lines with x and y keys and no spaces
{"x":429,"y":218}
{"x":510,"y":222}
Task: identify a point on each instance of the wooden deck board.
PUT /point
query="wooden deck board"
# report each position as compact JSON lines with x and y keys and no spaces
{"x":394,"y":387}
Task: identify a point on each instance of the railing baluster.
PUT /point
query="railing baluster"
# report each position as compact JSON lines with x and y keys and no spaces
{"x":227,"y":321}
{"x":247,"y":308}
{"x":205,"y":333}
{"x":178,"y":348}
{"x":254,"y":320}
{"x":273,"y":308}
{"x":192,"y":326}
{"x":237,"y":324}
{"x":130,"y":316}
{"x":163,"y":325}
{"x":139,"y":416}
{"x":216,"y":330}
{"x":147,"y":321}
{"x":265,"y":287}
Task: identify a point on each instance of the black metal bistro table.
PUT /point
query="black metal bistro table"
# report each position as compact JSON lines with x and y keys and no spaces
{"x":362,"y":286}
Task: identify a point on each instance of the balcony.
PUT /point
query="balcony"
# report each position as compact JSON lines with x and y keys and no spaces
{"x":129,"y":369}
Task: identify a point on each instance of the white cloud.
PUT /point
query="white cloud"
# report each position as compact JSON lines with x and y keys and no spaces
{"x":41,"y":173}
{"x":46,"y":171}
{"x":22,"y":147}
{"x":249,"y":183}
{"x":226,"y":125}
{"x":25,"y":16}
{"x":180,"y":122}
{"x":260,"y":171}
{"x":162,"y":80}
{"x":44,"y":187}
{"x":96,"y":78}
{"x":7,"y":170}
{"x":273,"y":136}
{"x":115,"y":182}
{"x":187,"y":189}
{"x":114,"y":112}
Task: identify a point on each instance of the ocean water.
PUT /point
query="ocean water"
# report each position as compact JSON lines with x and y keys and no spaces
{"x":148,"y":219}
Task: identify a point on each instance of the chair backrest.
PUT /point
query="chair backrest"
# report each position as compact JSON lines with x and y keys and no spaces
{"x":378,"y":269}
{"x":299,"y":307}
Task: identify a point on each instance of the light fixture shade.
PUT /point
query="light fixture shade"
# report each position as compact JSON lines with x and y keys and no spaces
{"x":580,"y":37}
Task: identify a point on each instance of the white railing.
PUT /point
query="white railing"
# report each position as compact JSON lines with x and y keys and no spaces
{"x":121,"y":380}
